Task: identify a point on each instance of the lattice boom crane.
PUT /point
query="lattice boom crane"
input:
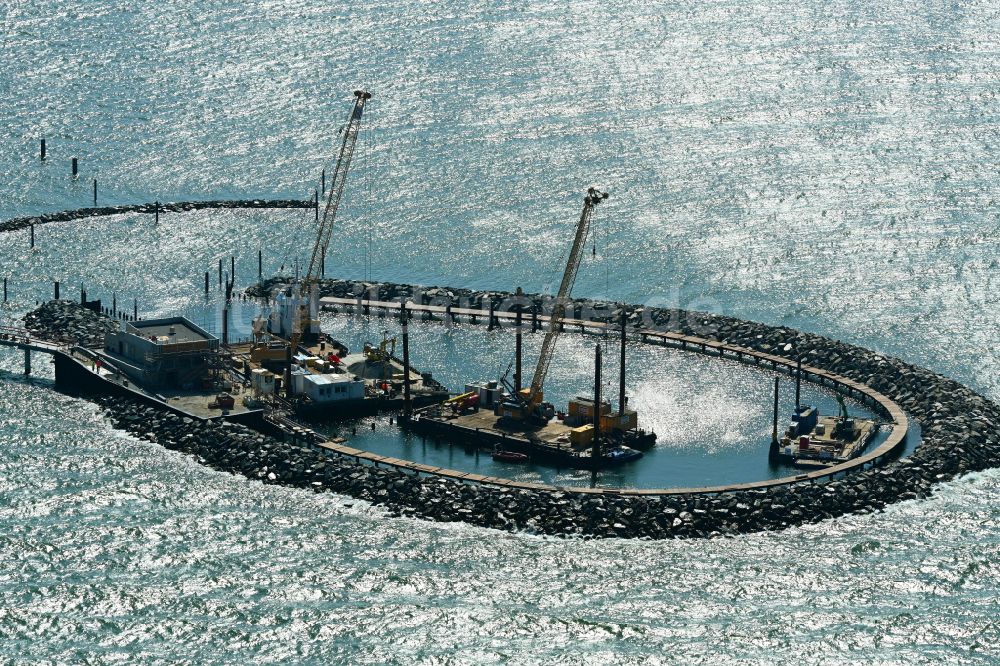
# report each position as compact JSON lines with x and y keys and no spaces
{"x":531,"y":397}
{"x":324,"y":231}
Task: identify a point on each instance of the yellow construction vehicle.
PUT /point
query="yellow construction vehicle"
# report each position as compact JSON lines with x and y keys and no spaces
{"x":384,"y":352}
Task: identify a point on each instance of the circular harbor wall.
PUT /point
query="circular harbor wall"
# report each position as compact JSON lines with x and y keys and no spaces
{"x":960,"y":430}
{"x":959,"y":435}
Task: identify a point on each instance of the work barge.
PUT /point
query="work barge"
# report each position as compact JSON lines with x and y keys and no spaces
{"x":514,"y":418}
{"x":179,"y":367}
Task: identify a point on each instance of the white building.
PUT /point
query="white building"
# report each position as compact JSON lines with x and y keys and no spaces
{"x":328,"y":387}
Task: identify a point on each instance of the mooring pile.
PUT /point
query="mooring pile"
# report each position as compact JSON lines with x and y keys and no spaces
{"x":960,"y":434}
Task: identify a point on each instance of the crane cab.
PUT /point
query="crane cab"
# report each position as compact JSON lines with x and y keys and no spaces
{"x":294,"y":311}
{"x":525,"y":395}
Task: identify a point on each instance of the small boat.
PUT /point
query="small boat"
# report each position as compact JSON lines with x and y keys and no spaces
{"x":509,"y":456}
{"x":622,"y":454}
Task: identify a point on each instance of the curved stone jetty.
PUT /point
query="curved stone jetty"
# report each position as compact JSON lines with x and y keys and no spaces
{"x":960,"y":434}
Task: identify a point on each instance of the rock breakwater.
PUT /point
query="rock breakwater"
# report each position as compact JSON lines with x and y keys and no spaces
{"x":960,"y":434}
{"x":69,"y":322}
{"x":150,"y":208}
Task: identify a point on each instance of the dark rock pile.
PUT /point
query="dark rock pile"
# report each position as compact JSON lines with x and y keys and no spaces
{"x":960,"y":434}
{"x":151,"y":208}
{"x":68,"y":321}
{"x":239,"y":450}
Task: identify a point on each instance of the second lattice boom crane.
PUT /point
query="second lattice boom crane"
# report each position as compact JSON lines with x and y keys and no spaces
{"x":530,"y":398}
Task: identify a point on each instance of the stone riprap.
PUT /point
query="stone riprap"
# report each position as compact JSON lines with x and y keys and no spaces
{"x":69,"y":322}
{"x":150,"y":208}
{"x":960,"y":434}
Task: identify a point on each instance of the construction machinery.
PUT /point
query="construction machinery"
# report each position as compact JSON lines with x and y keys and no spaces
{"x":267,"y":347}
{"x":382,"y":354}
{"x":299,"y":305}
{"x":462,"y":401}
{"x":845,"y":427}
{"x":528,"y":402}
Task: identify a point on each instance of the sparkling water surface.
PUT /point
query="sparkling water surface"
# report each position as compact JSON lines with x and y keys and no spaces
{"x":828,"y":166}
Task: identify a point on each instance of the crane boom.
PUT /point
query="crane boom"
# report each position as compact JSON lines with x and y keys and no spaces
{"x":593,"y":198}
{"x":325,"y":230}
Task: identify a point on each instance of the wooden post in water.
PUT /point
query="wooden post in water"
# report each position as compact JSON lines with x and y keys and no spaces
{"x":517,"y":346}
{"x":220,"y":272}
{"x":135,"y":309}
{"x":95,"y":191}
{"x":621,"y":370}
{"x":83,"y":295}
{"x":322,"y":180}
{"x":43,"y":148}
{"x":232,"y":269}
{"x":798,"y":384}
{"x":534,"y":319}
{"x":75,"y":168}
{"x":260,"y":265}
{"x":114,"y":303}
{"x":56,"y":285}
{"x":156,"y":213}
{"x":493,"y":317}
{"x":32,"y":237}
{"x":773,"y":451}
{"x":404,"y":320}
{"x":596,"y":447}
{"x":5,"y":290}
{"x":27,"y":362}
{"x":206,"y":283}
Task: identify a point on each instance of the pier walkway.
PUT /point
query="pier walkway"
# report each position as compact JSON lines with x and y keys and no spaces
{"x":21,"y":339}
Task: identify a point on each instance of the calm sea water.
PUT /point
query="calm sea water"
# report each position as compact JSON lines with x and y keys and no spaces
{"x":828,"y":166}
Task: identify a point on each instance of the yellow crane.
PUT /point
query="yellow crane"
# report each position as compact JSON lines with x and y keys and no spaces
{"x":530,"y":398}
{"x":382,"y":354}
